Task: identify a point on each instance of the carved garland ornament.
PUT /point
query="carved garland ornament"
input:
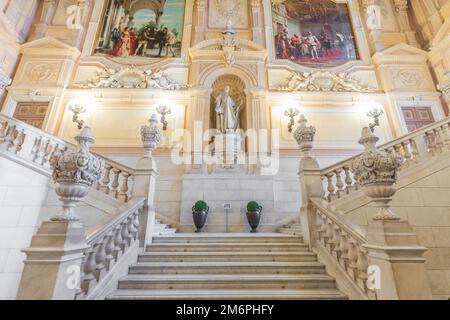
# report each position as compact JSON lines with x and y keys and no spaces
{"x":131,"y":78}
{"x":324,"y":81}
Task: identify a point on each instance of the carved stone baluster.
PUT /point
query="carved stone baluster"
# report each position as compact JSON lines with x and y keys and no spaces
{"x":361,"y":265}
{"x":115,"y":183}
{"x":439,"y":139}
{"x":89,"y":279}
{"x":132,"y":231}
{"x":343,"y":248}
{"x":36,"y":150}
{"x":123,"y":196}
{"x":414,"y":151}
{"x":407,"y":152}
{"x":348,"y":179}
{"x":117,"y":253}
{"x":109,"y":251}
{"x":15,"y":139}
{"x":3,"y":131}
{"x":319,"y":224}
{"x":100,"y":259}
{"x":398,"y":150}
{"x":339,"y":183}
{"x":323,"y":229}
{"x":352,"y":256}
{"x":136,"y":223}
{"x":335,"y":241}
{"x":125,"y":239}
{"x":445,"y":134}
{"x":329,"y":232}
{"x":430,"y":139}
{"x":104,"y":186}
{"x":47,"y":152}
{"x":330,"y":186}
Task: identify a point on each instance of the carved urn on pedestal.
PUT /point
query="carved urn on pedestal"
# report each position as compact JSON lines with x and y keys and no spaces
{"x":377,"y":173}
{"x":151,"y":136}
{"x":74,"y":173}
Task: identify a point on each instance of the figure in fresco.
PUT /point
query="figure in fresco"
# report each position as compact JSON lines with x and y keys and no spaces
{"x":124,"y":49}
{"x":171,"y":40}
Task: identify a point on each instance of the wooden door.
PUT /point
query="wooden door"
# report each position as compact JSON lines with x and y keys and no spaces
{"x":417,"y":118}
{"x":32,"y":113}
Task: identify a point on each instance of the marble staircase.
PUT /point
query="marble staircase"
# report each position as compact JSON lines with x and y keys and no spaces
{"x":227,"y":266}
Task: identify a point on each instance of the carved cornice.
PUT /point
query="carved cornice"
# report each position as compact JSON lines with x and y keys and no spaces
{"x":324,"y":81}
{"x":131,"y":78}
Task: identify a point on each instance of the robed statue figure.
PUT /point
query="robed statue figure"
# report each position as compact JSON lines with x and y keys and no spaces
{"x":227,"y":112}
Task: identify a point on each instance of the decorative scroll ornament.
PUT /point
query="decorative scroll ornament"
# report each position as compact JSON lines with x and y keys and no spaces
{"x":4,"y":80}
{"x":74,"y":173}
{"x":323,"y":81}
{"x":304,"y":135}
{"x":377,"y":171}
{"x":445,"y":86}
{"x":131,"y":78}
{"x":151,"y":135}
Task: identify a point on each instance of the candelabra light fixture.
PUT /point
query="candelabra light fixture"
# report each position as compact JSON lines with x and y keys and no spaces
{"x":375,"y":112}
{"x":78,"y":109}
{"x":291,"y":113}
{"x":164,"y":111}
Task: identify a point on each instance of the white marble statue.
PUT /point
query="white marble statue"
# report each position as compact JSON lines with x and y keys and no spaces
{"x":227,"y":111}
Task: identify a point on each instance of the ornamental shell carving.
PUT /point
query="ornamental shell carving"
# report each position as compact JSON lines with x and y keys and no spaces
{"x":131,"y":78}
{"x":324,"y":81}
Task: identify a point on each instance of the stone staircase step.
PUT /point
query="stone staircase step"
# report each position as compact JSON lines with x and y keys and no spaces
{"x":226,"y":256}
{"x":225,"y":267}
{"x":291,"y":231}
{"x":228,"y":294}
{"x":227,"y":281}
{"x":216,"y":238}
{"x":221,"y":247}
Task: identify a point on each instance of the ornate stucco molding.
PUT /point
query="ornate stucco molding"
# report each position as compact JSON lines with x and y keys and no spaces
{"x":445,"y":86}
{"x":131,"y":78}
{"x":4,"y":80}
{"x":324,"y":81}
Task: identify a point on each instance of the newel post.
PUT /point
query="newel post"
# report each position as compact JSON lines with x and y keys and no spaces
{"x":310,"y":179}
{"x":53,"y":264}
{"x":392,"y":245}
{"x":145,"y":178}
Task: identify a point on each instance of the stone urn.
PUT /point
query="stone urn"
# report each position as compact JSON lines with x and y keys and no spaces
{"x":74,"y":173}
{"x":376,"y":171}
{"x":200,"y":214}
{"x":254,"y":211}
{"x":151,"y":136}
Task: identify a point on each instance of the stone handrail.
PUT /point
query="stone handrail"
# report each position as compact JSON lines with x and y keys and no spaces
{"x":344,"y":243}
{"x":413,"y":148}
{"x":37,"y":149}
{"x":106,"y":247}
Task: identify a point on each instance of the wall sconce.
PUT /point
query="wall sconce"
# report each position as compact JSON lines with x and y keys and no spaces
{"x":164,"y":111}
{"x":77,"y":108}
{"x":375,"y":112}
{"x":291,"y":113}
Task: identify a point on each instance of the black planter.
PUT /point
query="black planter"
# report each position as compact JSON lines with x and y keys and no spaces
{"x":200,"y":218}
{"x":254,"y":217}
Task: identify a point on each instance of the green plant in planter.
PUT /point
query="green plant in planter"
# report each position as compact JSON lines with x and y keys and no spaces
{"x":253,"y":206}
{"x":200,"y":206}
{"x":254,"y":211}
{"x":200,"y":213}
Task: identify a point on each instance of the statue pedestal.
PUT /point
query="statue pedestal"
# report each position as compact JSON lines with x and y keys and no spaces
{"x":227,"y":148}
